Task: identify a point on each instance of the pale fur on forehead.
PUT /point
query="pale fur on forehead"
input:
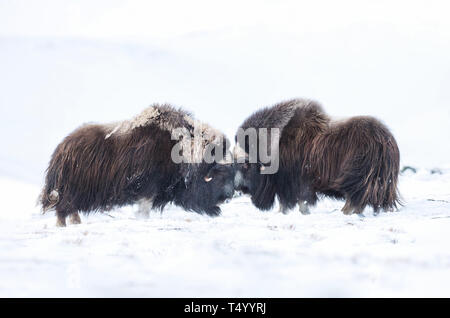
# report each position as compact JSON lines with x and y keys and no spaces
{"x":203,"y":135}
{"x":164,"y":116}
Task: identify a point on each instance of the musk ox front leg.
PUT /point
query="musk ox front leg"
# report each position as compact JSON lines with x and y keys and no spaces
{"x":304,"y":207}
{"x":349,"y":208}
{"x":74,"y":218}
{"x":60,"y":219}
{"x":283,"y":209}
{"x":144,"y":207}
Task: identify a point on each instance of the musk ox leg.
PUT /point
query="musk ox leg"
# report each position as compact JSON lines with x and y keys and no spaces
{"x":350,"y":208}
{"x":144,"y":207}
{"x":304,"y":207}
{"x":283,"y":209}
{"x":74,"y":218}
{"x":359,"y":211}
{"x":347,"y":209}
{"x":60,"y":219}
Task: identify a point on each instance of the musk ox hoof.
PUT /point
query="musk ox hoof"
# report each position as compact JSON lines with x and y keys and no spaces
{"x":75,"y":218}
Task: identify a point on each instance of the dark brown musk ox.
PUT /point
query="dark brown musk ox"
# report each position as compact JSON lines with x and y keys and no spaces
{"x":98,"y":167}
{"x":356,"y":159}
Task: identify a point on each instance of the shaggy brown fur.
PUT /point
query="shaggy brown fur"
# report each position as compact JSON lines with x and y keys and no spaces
{"x":98,"y":167}
{"x":356,"y":160}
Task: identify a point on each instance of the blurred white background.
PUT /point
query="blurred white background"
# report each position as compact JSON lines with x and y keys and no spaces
{"x":63,"y":63}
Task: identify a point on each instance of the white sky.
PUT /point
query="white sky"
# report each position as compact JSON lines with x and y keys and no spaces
{"x":143,"y":19}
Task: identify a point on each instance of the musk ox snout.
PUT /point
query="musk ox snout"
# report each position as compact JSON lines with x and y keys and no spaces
{"x":244,"y":173}
{"x":238,"y":180}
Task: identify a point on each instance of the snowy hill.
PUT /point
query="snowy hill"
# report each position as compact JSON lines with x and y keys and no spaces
{"x":243,"y":253}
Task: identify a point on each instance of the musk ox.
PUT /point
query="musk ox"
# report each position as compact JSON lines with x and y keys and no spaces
{"x":355,"y":159}
{"x":98,"y":167}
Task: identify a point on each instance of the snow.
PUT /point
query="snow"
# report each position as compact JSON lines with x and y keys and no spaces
{"x":243,"y":253}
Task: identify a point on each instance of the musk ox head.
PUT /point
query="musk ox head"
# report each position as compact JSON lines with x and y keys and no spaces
{"x":250,"y":179}
{"x":203,"y":156}
{"x":206,"y":187}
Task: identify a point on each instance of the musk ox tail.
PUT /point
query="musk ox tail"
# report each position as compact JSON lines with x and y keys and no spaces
{"x":48,"y":199}
{"x":370,"y":175}
{"x":51,"y":194}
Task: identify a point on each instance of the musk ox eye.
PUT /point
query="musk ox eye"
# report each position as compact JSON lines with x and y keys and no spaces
{"x":207,"y":179}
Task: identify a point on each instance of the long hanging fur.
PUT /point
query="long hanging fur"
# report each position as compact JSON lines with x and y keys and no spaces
{"x":356,"y":160}
{"x":98,"y":167}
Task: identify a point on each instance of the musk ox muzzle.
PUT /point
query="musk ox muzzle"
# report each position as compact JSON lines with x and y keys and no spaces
{"x":356,"y":160}
{"x":98,"y":167}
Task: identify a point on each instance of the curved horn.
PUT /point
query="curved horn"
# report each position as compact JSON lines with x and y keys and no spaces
{"x":207,"y":179}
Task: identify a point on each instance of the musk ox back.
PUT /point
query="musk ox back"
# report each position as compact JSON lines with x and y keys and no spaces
{"x":356,"y":160}
{"x":98,"y":167}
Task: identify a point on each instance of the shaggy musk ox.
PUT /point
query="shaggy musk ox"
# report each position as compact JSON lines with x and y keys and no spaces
{"x":355,"y":159}
{"x":98,"y":167}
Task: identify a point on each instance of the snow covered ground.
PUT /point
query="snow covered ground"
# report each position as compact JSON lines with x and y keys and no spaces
{"x":243,"y":253}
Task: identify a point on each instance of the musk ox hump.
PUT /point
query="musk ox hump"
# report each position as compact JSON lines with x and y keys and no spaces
{"x":168,"y":118}
{"x":278,"y":115}
{"x":165,"y":117}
